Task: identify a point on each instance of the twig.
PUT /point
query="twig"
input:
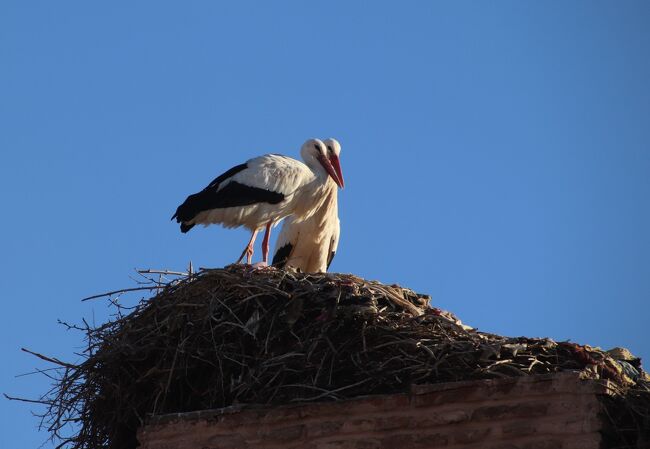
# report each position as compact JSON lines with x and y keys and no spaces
{"x":31,"y":401}
{"x":49,"y":359}
{"x":164,"y":272}
{"x":124,"y":290}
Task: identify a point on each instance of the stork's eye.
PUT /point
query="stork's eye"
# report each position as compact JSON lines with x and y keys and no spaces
{"x":316,"y":146}
{"x":330,"y":149}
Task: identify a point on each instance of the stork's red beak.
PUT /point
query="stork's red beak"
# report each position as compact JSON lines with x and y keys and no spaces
{"x":333,"y":172}
{"x":336,"y":164}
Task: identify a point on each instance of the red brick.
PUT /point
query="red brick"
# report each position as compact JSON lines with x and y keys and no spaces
{"x":323,"y":428}
{"x":414,"y":441}
{"x":519,"y":428}
{"x":357,"y":425}
{"x":433,"y":418}
{"x":545,"y":444}
{"x":394,"y":422}
{"x":227,"y":442}
{"x":431,"y":440}
{"x":538,"y":443}
{"x":471,"y":436}
{"x":279,"y":414}
{"x":369,"y":443}
{"x":453,"y":396}
{"x":588,"y":441}
{"x":282,"y":434}
{"x":358,"y":406}
{"x":496,"y":412}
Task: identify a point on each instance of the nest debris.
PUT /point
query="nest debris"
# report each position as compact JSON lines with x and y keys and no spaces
{"x":233,"y":336}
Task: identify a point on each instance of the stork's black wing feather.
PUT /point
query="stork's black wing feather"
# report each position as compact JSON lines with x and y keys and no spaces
{"x":282,"y":255}
{"x":332,"y":251}
{"x":182,"y":212}
{"x":330,"y":258}
{"x":223,"y":176}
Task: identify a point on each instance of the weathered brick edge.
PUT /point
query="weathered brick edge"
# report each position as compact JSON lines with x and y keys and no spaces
{"x":535,"y":412}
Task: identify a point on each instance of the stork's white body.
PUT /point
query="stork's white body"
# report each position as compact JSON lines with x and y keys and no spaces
{"x":292,"y":179}
{"x":310,"y":244}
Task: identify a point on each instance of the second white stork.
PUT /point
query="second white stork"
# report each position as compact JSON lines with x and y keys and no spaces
{"x":310,"y":244}
{"x":262,"y":191}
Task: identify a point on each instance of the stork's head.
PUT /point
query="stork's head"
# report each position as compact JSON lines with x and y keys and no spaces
{"x":316,"y":156}
{"x":333,"y":151}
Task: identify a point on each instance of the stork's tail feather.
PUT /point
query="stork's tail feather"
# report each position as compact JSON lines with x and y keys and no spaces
{"x":186,"y":212}
{"x":184,"y":226}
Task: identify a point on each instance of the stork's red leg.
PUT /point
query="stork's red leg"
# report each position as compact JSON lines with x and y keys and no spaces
{"x":265,"y":244}
{"x":248,"y":251}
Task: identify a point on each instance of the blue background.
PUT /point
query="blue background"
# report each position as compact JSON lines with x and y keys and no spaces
{"x":496,"y":155}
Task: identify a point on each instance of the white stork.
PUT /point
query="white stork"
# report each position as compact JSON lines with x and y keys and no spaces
{"x":261,"y":192}
{"x":310,"y":244}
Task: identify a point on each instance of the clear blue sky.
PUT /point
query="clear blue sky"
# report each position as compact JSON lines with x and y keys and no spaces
{"x":496,"y":155}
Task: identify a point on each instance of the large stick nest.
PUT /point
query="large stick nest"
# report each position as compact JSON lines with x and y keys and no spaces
{"x":232,"y":336}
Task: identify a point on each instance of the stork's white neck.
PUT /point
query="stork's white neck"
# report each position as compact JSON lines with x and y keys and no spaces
{"x":315,"y":166}
{"x":313,"y":194}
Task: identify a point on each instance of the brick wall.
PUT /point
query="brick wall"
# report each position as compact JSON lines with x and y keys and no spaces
{"x":540,"y":412}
